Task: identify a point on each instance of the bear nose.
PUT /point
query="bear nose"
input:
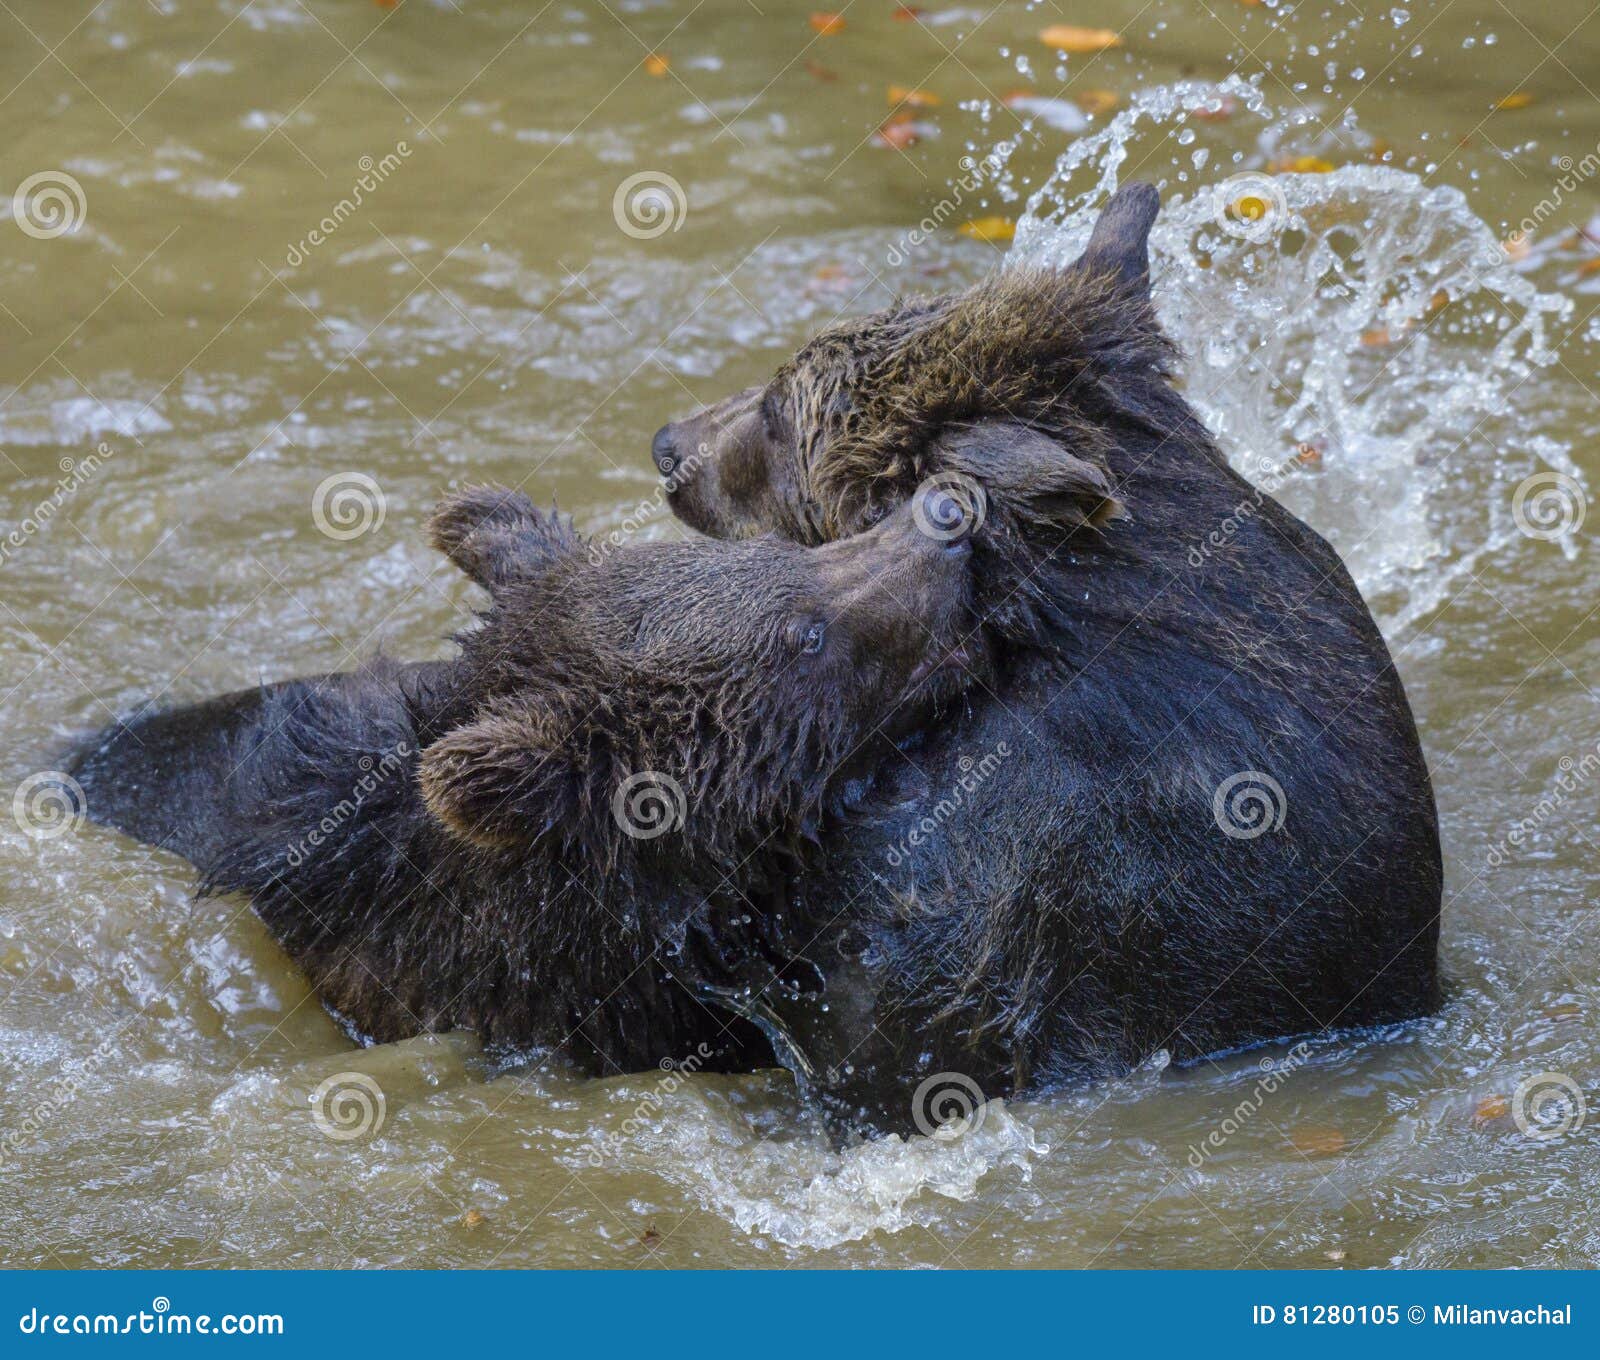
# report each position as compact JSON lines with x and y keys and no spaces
{"x":664,"y":450}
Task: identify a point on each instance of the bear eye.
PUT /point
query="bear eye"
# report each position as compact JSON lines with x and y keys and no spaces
{"x":876,"y":514}
{"x":806,"y":636}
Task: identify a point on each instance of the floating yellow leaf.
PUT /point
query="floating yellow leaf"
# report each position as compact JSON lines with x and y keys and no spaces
{"x":656,"y":64}
{"x":1097,"y":101}
{"x":1520,"y":100}
{"x":989,"y":229}
{"x":917,"y":99}
{"x":1249,"y":208}
{"x":826,"y":22}
{"x":1300,"y":165}
{"x":1066,"y":38}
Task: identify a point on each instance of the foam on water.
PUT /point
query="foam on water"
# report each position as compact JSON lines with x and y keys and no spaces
{"x":1365,"y":342}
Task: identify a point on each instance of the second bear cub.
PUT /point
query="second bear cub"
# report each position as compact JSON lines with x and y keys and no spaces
{"x":740,"y":682}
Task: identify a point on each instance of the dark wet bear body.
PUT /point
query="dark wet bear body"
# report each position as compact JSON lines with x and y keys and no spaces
{"x":1085,"y":866}
{"x":441,"y":845}
{"x":1051,"y":880}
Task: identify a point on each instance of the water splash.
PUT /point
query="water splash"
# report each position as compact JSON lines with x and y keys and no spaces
{"x":1359,"y":341}
{"x":796,"y":1189}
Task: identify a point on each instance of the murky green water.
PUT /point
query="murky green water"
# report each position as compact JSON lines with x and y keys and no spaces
{"x":185,"y":368}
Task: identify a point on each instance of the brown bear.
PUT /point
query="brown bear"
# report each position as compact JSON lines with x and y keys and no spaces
{"x":1191,"y":811}
{"x":529,"y":840}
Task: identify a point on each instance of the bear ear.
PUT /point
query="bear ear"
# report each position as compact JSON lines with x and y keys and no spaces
{"x":1120,"y":242}
{"x":496,"y":535}
{"x":1029,"y":474}
{"x":505,"y":779}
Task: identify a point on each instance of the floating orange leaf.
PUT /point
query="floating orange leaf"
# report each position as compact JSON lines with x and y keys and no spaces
{"x":817,"y":71}
{"x":906,"y":14}
{"x":1516,"y":247}
{"x":1067,"y":38}
{"x":989,"y":229}
{"x":1011,"y":97}
{"x":656,"y":64}
{"x":1308,"y":455}
{"x":1589,"y":267}
{"x":1317,"y":1140}
{"x":1377,"y":338}
{"x":1491,"y":1108}
{"x":898,"y":133}
{"x":1520,"y":100}
{"x":1097,"y":101}
{"x":473,"y":1218}
{"x":387,"y":4}
{"x":826,"y":22}
{"x":916,"y":99}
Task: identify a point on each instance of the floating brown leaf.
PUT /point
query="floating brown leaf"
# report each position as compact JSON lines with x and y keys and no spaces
{"x":1317,"y":1140}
